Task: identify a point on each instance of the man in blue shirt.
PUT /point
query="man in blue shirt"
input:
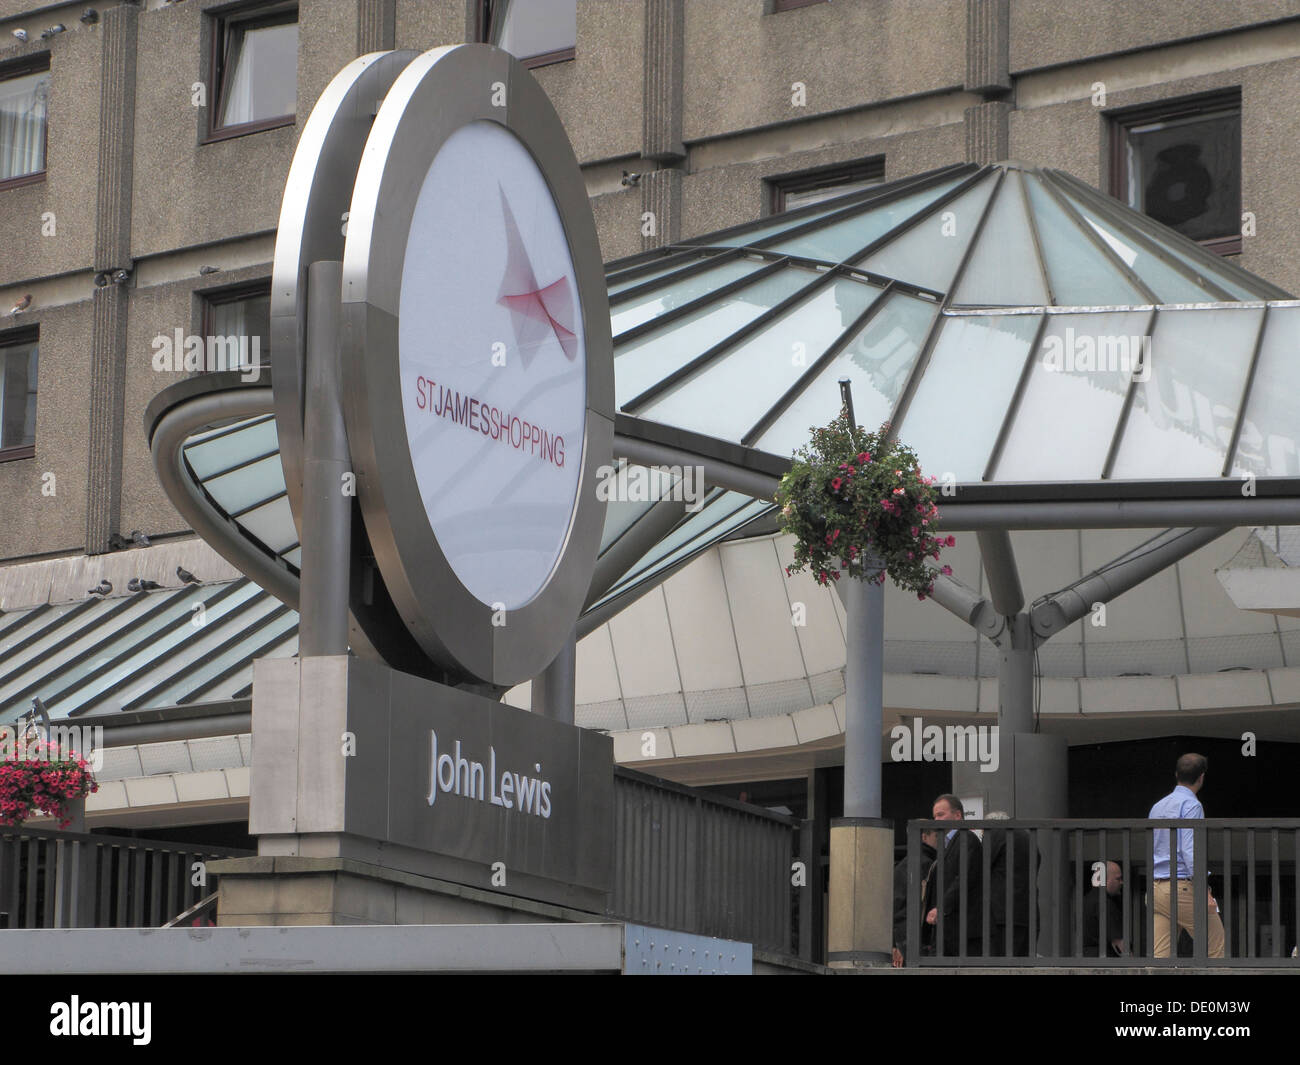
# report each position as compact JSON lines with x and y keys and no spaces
{"x":1181,"y":803}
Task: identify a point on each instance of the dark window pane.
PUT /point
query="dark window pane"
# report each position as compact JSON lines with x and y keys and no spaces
{"x":18,"y":395}
{"x":260,"y":74}
{"x":528,"y":28}
{"x":22,"y":125}
{"x":246,"y":322}
{"x":1186,"y":173}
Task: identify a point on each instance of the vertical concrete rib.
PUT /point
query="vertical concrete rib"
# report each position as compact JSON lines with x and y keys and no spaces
{"x":988,"y":26}
{"x":112,"y":251}
{"x":376,"y":25}
{"x":662,"y":110}
{"x":988,"y":132}
{"x":661,"y":201}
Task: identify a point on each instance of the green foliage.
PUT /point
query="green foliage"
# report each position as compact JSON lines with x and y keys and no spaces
{"x":855,"y":502}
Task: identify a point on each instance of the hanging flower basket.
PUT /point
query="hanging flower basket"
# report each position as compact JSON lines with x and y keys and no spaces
{"x":858,"y":505}
{"x":37,"y":777}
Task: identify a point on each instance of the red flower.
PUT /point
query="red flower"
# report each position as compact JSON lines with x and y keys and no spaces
{"x":835,"y":484}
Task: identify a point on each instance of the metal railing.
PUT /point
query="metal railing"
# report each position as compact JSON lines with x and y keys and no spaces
{"x":52,"y":879}
{"x":700,"y":863}
{"x":1036,"y":892}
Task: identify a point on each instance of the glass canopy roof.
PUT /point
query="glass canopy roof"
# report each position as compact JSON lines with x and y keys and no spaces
{"x":1012,"y":324}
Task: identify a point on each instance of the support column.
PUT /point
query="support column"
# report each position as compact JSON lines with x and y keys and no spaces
{"x":327,"y":511}
{"x":862,"y":844}
{"x":554,"y":688}
{"x":864,"y":674}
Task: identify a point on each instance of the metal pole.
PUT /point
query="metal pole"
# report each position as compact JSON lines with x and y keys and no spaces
{"x":326,"y":508}
{"x":864,"y":603}
{"x":554,"y":688}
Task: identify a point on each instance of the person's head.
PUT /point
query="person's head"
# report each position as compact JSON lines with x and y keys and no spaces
{"x":1190,"y":771}
{"x":931,"y":838}
{"x":1114,"y":878}
{"x":947,"y":808}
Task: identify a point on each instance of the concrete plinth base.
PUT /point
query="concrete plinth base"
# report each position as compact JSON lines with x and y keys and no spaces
{"x":861,"y":893}
{"x":341,"y":891}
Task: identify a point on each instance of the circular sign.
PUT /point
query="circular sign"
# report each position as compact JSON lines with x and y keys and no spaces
{"x":492,"y":360}
{"x":477,"y":360}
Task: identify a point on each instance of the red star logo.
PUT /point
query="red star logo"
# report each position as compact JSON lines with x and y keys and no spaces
{"x":538,"y":312}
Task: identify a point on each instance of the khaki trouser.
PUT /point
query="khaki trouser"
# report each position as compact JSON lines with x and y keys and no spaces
{"x":1186,"y":919}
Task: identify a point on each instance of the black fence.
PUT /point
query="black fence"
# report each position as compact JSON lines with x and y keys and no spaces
{"x":1090,"y":892}
{"x":701,"y":863}
{"x":54,"y":879}
{"x":684,"y":860}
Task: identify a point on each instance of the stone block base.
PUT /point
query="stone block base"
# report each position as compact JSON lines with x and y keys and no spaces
{"x":861,"y":915}
{"x":341,"y":891}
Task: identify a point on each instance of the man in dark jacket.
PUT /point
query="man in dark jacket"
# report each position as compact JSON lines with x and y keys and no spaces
{"x":946,"y":896}
{"x":1013,"y":942}
{"x":928,"y":842}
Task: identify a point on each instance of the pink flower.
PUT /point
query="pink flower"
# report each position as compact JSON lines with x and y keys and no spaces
{"x":916,"y":531}
{"x":951,"y":541}
{"x":835,"y":484}
{"x":864,"y":456}
{"x":899,"y":492}
{"x":946,"y":571}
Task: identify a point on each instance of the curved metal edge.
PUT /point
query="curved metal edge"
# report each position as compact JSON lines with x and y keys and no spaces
{"x":167,"y":440}
{"x":437,"y":94}
{"x":317,"y":193}
{"x":171,"y":418}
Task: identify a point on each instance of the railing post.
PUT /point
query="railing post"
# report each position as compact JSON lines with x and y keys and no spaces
{"x":912,"y":954}
{"x":811,"y":881}
{"x":1200,"y":896}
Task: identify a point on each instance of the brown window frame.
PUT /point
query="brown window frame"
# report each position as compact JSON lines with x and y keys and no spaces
{"x":781,"y":185}
{"x":1121,"y":121}
{"x":483,"y":12}
{"x":27,"y":334}
{"x":254,"y":16}
{"x":215,"y":297}
{"x":21,"y":68}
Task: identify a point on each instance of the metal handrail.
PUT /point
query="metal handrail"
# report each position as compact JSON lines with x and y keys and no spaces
{"x":1045,"y":893}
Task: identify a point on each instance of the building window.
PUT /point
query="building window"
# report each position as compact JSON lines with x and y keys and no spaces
{"x":24,"y":93}
{"x":18,"y":362}
{"x":1179,"y":162}
{"x":536,"y":32}
{"x":254,"y":69}
{"x":799,"y":190}
{"x":237,"y":327}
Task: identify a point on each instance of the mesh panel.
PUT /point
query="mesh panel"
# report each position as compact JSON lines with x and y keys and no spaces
{"x":218,"y":752}
{"x":608,"y":715}
{"x":120,"y":762}
{"x":1158,"y":658}
{"x":1054,"y":660}
{"x":1269,"y":547}
{"x":646,"y":710}
{"x":948,"y":657}
{"x":1259,"y":650}
{"x":716,"y":705}
{"x":826,"y":686}
{"x":780,"y":697}
{"x":165,"y":758}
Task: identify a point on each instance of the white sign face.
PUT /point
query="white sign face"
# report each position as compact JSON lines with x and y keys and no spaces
{"x":493,"y":365}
